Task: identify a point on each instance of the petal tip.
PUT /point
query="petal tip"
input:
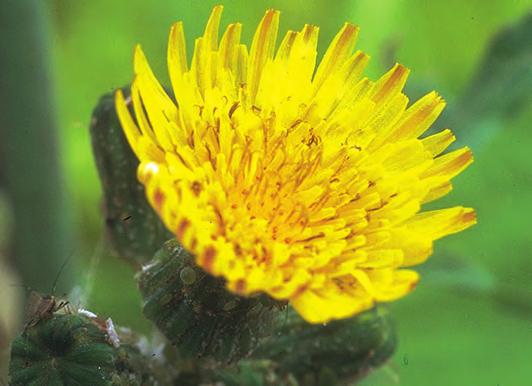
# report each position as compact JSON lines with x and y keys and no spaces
{"x":400,"y":70}
{"x":469,"y":216}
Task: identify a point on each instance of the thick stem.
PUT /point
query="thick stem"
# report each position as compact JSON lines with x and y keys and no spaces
{"x":29,"y":166}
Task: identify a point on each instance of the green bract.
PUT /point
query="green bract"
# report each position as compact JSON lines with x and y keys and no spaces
{"x":195,"y":312}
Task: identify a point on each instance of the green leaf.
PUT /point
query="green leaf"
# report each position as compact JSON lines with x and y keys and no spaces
{"x":458,"y":273}
{"x":500,"y":88}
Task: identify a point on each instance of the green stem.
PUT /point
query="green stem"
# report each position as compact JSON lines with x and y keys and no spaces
{"x":30,"y":163}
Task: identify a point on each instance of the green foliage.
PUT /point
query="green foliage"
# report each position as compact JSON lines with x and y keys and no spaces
{"x":253,"y":373}
{"x":133,"y":227}
{"x":335,"y":353}
{"x":499,"y":89}
{"x":135,"y":368}
{"x":30,"y":171}
{"x":196,"y":313}
{"x":63,"y":350}
{"x":504,"y":71}
{"x":299,"y":354}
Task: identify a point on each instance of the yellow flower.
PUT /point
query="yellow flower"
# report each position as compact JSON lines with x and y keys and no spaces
{"x":301,"y":182}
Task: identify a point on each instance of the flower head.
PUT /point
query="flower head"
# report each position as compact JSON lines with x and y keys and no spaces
{"x":301,"y":181}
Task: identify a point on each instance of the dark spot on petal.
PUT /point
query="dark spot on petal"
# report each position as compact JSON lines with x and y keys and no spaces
{"x":194,"y":244}
{"x":182,"y":227}
{"x":158,"y":199}
{"x":196,"y":188}
{"x":240,"y":286}
{"x":209,"y":254}
{"x":300,"y":290}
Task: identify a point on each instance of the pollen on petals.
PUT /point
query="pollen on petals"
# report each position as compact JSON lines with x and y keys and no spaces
{"x":292,"y":176}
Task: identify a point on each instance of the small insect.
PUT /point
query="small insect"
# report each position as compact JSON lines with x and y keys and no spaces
{"x":41,"y":307}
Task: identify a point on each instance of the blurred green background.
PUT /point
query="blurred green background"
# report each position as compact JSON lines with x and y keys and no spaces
{"x":469,"y":322}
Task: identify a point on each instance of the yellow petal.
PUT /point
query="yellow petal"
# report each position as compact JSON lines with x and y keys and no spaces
{"x":262,"y":49}
{"x":177,"y":56}
{"x":438,"y":142}
{"x":338,"y":52}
